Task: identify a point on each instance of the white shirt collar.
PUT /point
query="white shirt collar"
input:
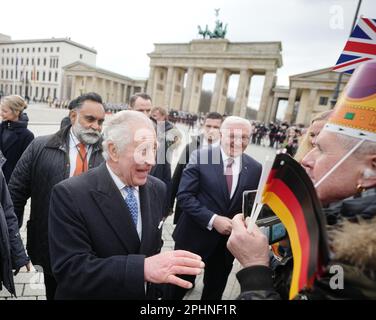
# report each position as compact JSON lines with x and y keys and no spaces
{"x":119,"y":184}
{"x":225,"y":157}
{"x":74,"y":142}
{"x":207,"y":144}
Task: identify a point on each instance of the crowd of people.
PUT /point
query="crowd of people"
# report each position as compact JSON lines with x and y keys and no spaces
{"x":100,"y":197}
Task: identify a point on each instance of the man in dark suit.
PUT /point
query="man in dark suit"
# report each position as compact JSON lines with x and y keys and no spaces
{"x":105,"y":225}
{"x":49,"y":160}
{"x":209,"y":138}
{"x":210,"y":194}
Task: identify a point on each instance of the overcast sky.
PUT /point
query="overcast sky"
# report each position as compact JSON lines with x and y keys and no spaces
{"x":312,"y":32}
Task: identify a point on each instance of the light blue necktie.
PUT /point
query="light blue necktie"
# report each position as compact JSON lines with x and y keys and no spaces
{"x":132,"y":204}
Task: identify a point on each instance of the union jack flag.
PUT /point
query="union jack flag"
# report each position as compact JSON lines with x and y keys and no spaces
{"x":360,"y":47}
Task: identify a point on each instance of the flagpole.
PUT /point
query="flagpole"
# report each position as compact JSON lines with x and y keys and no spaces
{"x":333,"y":101}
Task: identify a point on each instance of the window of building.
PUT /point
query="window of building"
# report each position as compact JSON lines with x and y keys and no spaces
{"x":56,"y":74}
{"x":22,"y":50}
{"x":51,"y":49}
{"x":6,"y":74}
{"x":3,"y":50}
{"x":8,"y":50}
{"x":2,"y":74}
{"x":21,"y":74}
{"x":12,"y":50}
{"x":57,"y":63}
{"x":11,"y":75}
{"x":38,"y":51}
{"x":161,"y":76}
{"x":81,"y":56}
{"x":323,"y":101}
{"x":49,"y":76}
{"x":55,"y":91}
{"x":27,"y":50}
{"x":17,"y":50}
{"x":27,"y":75}
{"x":45,"y":50}
{"x":27,"y":61}
{"x":44,"y":61}
{"x":7,"y":61}
{"x":21,"y":61}
{"x":44,"y":76}
{"x":37,"y":75}
{"x":12,"y":63}
{"x":57,"y":49}
{"x":38,"y":61}
{"x":33,"y":49}
{"x":36,"y":92}
{"x":51,"y":62}
{"x":32,"y":61}
{"x":42,"y":97}
{"x":2,"y":60}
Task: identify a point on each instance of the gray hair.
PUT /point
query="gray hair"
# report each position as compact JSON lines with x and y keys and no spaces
{"x":117,"y":129}
{"x":235,"y":120}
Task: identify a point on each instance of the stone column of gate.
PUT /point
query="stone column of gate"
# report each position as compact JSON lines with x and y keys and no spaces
{"x":196,"y":90}
{"x":151,"y":82}
{"x":73,"y":91}
{"x":241,"y":99}
{"x":169,"y":87}
{"x":290,"y":105}
{"x":177,"y":89}
{"x":65,"y":88}
{"x":124,"y":95}
{"x":266,"y":95}
{"x":188,"y":89}
{"x":305,"y":111}
{"x":218,"y":101}
{"x":119,"y":95}
{"x":93,"y":87}
{"x":104,"y":90}
{"x":273,"y":111}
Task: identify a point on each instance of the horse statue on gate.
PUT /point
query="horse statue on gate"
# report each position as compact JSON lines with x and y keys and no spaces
{"x":218,"y":33}
{"x":205,"y":33}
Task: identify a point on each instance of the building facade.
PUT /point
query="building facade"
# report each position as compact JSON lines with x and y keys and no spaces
{"x":34,"y":68}
{"x":48,"y":69}
{"x":80,"y":78}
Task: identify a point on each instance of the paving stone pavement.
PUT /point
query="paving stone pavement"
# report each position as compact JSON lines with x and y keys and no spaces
{"x":30,"y":285}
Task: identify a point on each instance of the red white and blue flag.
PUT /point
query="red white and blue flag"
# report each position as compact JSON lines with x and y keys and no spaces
{"x":360,"y":47}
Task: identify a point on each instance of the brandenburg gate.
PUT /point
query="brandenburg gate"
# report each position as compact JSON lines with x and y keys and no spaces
{"x":170,"y":64}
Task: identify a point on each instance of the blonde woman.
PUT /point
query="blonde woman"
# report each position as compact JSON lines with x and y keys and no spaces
{"x":14,"y":135}
{"x":308,"y":140}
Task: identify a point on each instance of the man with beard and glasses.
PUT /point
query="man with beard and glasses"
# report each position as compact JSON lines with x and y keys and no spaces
{"x":47,"y":161}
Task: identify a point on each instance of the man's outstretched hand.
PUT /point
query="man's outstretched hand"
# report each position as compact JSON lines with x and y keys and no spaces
{"x":163,"y":267}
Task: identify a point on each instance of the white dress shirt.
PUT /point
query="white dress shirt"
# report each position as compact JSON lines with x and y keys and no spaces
{"x":236,"y":167}
{"x":120,"y":185}
{"x":73,"y":152}
{"x":206,"y":144}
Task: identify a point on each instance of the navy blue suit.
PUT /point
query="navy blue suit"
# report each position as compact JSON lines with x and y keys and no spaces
{"x":94,"y":247}
{"x":203,"y":193}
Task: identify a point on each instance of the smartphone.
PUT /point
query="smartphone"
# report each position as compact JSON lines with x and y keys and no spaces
{"x":269,"y":223}
{"x":249,"y":197}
